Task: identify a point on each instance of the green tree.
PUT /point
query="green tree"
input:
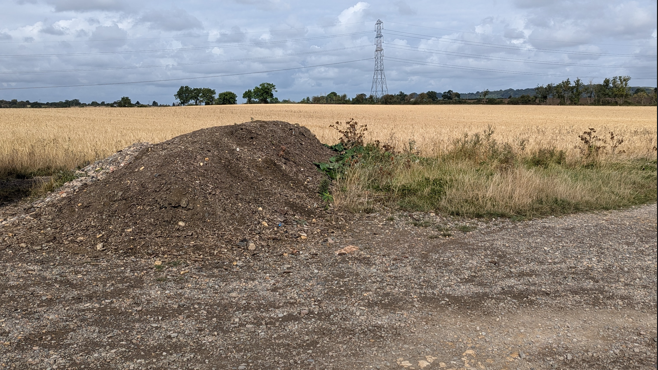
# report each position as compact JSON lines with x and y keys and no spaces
{"x":589,"y":91}
{"x":448,"y":95}
{"x":620,"y":89}
{"x":641,"y":95}
{"x":576,"y":91}
{"x":550,"y":91}
{"x":207,"y":95}
{"x":226,"y":97}
{"x":432,"y":95}
{"x":249,"y":95}
{"x":388,"y":99}
{"x":542,"y":93}
{"x":124,"y":102}
{"x":484,"y":94}
{"x":264,"y":93}
{"x":602,"y":91}
{"x":184,"y":95}
{"x":563,"y":91}
{"x":332,"y":97}
{"x":196,"y":95}
{"x":359,"y":99}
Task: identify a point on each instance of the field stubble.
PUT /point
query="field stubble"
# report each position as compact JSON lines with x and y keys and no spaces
{"x":35,"y":140}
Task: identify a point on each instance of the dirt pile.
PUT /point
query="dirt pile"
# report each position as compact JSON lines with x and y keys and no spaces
{"x":242,"y":186}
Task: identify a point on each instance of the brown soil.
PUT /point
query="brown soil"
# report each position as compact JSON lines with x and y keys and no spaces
{"x":244,"y":186}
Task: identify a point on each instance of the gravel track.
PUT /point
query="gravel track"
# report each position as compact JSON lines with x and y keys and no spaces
{"x":575,"y":292}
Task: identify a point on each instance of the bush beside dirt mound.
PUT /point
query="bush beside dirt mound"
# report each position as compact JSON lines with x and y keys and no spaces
{"x":243,"y":186}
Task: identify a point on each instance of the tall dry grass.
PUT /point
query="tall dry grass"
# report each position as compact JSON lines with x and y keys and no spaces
{"x":477,"y":175}
{"x":34,"y":139}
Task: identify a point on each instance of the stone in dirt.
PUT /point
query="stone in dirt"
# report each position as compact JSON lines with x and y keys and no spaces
{"x":173,"y":204}
{"x":347,"y":250}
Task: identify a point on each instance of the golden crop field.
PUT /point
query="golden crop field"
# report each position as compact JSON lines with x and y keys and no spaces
{"x":39,"y":138}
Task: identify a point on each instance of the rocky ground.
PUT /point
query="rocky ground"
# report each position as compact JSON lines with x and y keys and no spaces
{"x":421,"y":292}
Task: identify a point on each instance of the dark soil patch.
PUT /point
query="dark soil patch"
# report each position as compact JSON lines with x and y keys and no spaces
{"x":242,"y":186}
{"x":14,"y":189}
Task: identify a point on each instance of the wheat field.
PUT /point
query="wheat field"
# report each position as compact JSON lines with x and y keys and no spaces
{"x":52,"y":138}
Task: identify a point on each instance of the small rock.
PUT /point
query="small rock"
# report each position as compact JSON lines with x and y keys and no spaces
{"x":264,"y":223}
{"x":158,"y":263}
{"x":181,"y":223}
{"x":252,"y":246}
{"x":347,"y":250}
{"x":100,"y":247}
{"x":569,"y":357}
{"x":22,"y":245}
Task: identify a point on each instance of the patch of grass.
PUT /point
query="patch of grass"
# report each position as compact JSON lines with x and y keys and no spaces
{"x":466,"y":228}
{"x":421,"y":223}
{"x":390,"y":218}
{"x":58,"y":179}
{"x":478,"y":177}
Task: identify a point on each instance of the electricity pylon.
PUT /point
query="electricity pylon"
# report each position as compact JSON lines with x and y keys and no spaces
{"x":379,"y":87}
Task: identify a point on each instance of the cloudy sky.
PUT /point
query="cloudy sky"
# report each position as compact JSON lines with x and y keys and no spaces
{"x":104,"y":49}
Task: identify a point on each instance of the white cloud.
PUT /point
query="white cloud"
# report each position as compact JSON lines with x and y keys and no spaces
{"x":88,"y":5}
{"x":108,"y":37}
{"x":353,"y":14}
{"x":171,"y":20}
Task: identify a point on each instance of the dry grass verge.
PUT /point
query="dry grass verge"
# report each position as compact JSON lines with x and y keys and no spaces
{"x":479,"y":177}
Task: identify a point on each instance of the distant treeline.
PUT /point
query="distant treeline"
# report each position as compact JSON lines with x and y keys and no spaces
{"x":123,"y":102}
{"x":612,"y":91}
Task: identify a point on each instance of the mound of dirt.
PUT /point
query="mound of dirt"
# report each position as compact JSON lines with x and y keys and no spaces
{"x":242,"y":186}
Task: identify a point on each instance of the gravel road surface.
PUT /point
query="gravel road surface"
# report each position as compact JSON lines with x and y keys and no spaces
{"x":421,"y":292}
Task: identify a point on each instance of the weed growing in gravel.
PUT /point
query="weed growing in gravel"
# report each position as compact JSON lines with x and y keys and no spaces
{"x":58,"y":179}
{"x":421,"y":223}
{"x":466,"y":228}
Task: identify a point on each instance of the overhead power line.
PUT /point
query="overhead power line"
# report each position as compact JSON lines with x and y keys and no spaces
{"x":477,"y":33}
{"x":451,"y":66}
{"x":508,"y":47}
{"x":176,"y":37}
{"x":185,"y":78}
{"x":434,"y":51}
{"x":179,"y":49}
{"x":214,"y":62}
